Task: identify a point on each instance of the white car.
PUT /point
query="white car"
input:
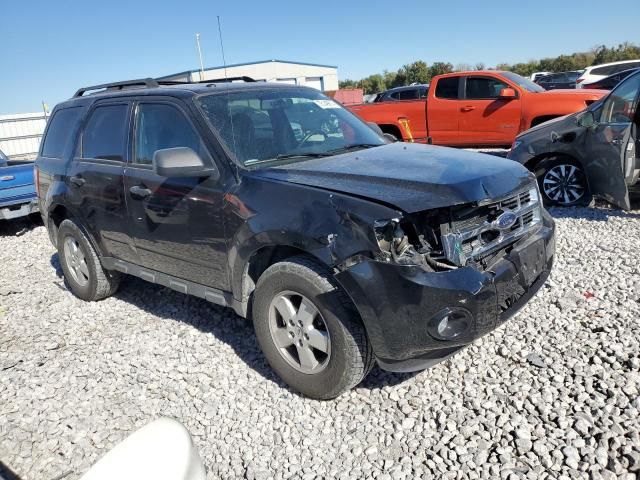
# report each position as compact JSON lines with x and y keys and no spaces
{"x":536,"y":75}
{"x":598,"y":72}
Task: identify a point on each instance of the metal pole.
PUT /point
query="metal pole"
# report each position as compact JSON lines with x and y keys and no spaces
{"x":200,"y":56}
{"x":44,"y":109}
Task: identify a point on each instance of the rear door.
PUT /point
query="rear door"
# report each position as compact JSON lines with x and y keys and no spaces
{"x":443,"y":111}
{"x":177,"y":223}
{"x":612,"y":143}
{"x":95,"y":177}
{"x":485,"y":118}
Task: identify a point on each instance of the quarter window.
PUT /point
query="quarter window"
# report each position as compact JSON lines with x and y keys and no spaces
{"x":160,"y":126}
{"x":480,"y":88}
{"x":61,"y":127}
{"x":448,"y":87}
{"x":104,"y":134}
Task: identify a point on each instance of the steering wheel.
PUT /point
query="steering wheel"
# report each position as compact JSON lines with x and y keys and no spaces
{"x":309,"y":135}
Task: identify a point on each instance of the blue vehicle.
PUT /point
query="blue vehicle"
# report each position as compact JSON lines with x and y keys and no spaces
{"x":17,"y":189}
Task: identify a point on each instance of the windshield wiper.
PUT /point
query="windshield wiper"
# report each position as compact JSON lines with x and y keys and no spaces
{"x":300,"y":155}
{"x":355,"y":146}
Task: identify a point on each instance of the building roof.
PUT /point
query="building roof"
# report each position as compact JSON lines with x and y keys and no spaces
{"x":273,"y":60}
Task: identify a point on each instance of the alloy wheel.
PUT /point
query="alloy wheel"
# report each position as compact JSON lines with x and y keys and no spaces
{"x":76,"y":261}
{"x":299,"y":332}
{"x":564,"y":184}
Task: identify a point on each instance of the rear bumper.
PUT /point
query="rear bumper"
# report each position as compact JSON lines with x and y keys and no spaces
{"x":399,"y":303}
{"x":18,"y":210}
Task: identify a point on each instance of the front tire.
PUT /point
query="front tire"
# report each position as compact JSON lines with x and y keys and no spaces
{"x":309,"y":329}
{"x":562,"y":182}
{"x":81,"y":267}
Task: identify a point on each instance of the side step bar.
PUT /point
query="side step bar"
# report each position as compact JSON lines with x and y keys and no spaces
{"x":210,"y":294}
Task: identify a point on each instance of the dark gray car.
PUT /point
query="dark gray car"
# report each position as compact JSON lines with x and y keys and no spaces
{"x":593,"y":152}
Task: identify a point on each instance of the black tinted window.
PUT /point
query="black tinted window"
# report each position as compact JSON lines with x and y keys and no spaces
{"x":447,"y":87}
{"x":104,"y":134}
{"x":483,"y":88}
{"x":61,"y":126}
{"x":409,"y":94}
{"x":160,"y":126}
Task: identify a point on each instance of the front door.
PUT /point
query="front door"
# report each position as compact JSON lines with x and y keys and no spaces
{"x":485,"y":118}
{"x":177,"y":223}
{"x":612,"y":143}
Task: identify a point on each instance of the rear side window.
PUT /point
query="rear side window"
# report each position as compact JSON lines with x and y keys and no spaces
{"x":409,"y":94}
{"x":447,"y":87}
{"x":61,"y":126}
{"x":160,"y":126}
{"x":104,"y":134}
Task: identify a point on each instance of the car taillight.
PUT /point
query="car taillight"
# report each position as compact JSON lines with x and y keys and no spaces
{"x":36,"y":179}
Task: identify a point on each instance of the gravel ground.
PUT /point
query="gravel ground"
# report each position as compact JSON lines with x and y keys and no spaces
{"x":554,"y":393}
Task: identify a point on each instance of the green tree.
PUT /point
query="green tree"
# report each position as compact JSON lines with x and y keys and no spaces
{"x":440,"y":68}
{"x":416,"y":72}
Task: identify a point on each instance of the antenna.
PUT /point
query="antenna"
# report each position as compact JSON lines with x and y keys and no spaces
{"x":200,"y":56}
{"x":224,"y":63}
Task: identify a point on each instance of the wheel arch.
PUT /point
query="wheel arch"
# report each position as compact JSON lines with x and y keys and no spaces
{"x":255,"y":265}
{"x":392,"y":129}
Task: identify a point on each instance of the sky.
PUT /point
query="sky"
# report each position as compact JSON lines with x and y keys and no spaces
{"x":48,"y":49}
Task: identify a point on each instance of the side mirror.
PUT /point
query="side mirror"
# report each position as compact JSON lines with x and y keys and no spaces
{"x":587,"y":119}
{"x":507,"y":93}
{"x":181,"y":162}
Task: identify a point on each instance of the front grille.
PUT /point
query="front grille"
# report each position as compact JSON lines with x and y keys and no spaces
{"x":477,"y":231}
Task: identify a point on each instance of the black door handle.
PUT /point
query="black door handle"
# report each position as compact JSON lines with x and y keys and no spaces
{"x":78,"y":181}
{"x":139,"y":191}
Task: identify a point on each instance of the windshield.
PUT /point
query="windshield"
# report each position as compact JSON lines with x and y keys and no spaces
{"x":271,"y":124}
{"x":523,"y":82}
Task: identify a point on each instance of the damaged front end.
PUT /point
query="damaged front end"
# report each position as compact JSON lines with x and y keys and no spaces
{"x":444,"y":277}
{"x":465,"y":235}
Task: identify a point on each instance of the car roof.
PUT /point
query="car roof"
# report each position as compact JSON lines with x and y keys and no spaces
{"x":179,"y":90}
{"x":406,"y":87}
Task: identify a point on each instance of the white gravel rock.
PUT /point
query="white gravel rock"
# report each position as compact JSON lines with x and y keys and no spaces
{"x":553,"y":393}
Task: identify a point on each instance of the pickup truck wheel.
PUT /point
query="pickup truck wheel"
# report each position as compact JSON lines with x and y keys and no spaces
{"x":82,"y":269}
{"x":309,"y":330}
{"x":562,"y":182}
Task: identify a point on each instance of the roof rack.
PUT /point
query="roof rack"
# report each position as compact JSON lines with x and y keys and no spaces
{"x":244,"y":78}
{"x":144,"y":82}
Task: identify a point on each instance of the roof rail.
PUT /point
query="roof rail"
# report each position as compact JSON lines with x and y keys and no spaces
{"x":145,"y":82}
{"x":244,"y":78}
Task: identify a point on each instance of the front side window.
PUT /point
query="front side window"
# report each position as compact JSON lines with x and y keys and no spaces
{"x":104,"y":134}
{"x":480,"y":88}
{"x":61,"y":126}
{"x":448,"y":87}
{"x":283,"y":124}
{"x":160,"y":126}
{"x":621,"y":104}
{"x":522,"y":82}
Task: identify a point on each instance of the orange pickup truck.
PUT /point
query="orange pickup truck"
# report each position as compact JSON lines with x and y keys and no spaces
{"x":481,"y":109}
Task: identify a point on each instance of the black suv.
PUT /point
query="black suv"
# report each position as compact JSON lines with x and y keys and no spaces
{"x":275,"y":201}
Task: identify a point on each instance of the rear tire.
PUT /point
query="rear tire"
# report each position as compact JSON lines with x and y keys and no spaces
{"x":562,"y":182}
{"x":346,"y":356}
{"x":82,"y":269}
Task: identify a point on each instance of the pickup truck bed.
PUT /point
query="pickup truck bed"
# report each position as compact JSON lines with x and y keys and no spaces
{"x":17,"y":189}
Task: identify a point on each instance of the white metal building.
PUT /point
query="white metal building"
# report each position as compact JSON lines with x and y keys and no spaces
{"x":20,"y":134}
{"x":322,"y":77}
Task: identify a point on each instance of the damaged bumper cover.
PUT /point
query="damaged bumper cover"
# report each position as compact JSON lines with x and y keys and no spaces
{"x":415,"y":318}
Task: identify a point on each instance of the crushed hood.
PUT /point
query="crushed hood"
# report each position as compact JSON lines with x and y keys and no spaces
{"x":407,"y":176}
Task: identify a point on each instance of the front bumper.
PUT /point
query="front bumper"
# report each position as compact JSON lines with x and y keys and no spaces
{"x":397,"y":302}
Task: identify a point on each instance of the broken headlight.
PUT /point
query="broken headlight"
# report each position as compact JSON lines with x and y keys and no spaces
{"x":399,"y":242}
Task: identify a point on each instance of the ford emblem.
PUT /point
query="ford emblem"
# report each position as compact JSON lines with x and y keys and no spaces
{"x":506,"y":220}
